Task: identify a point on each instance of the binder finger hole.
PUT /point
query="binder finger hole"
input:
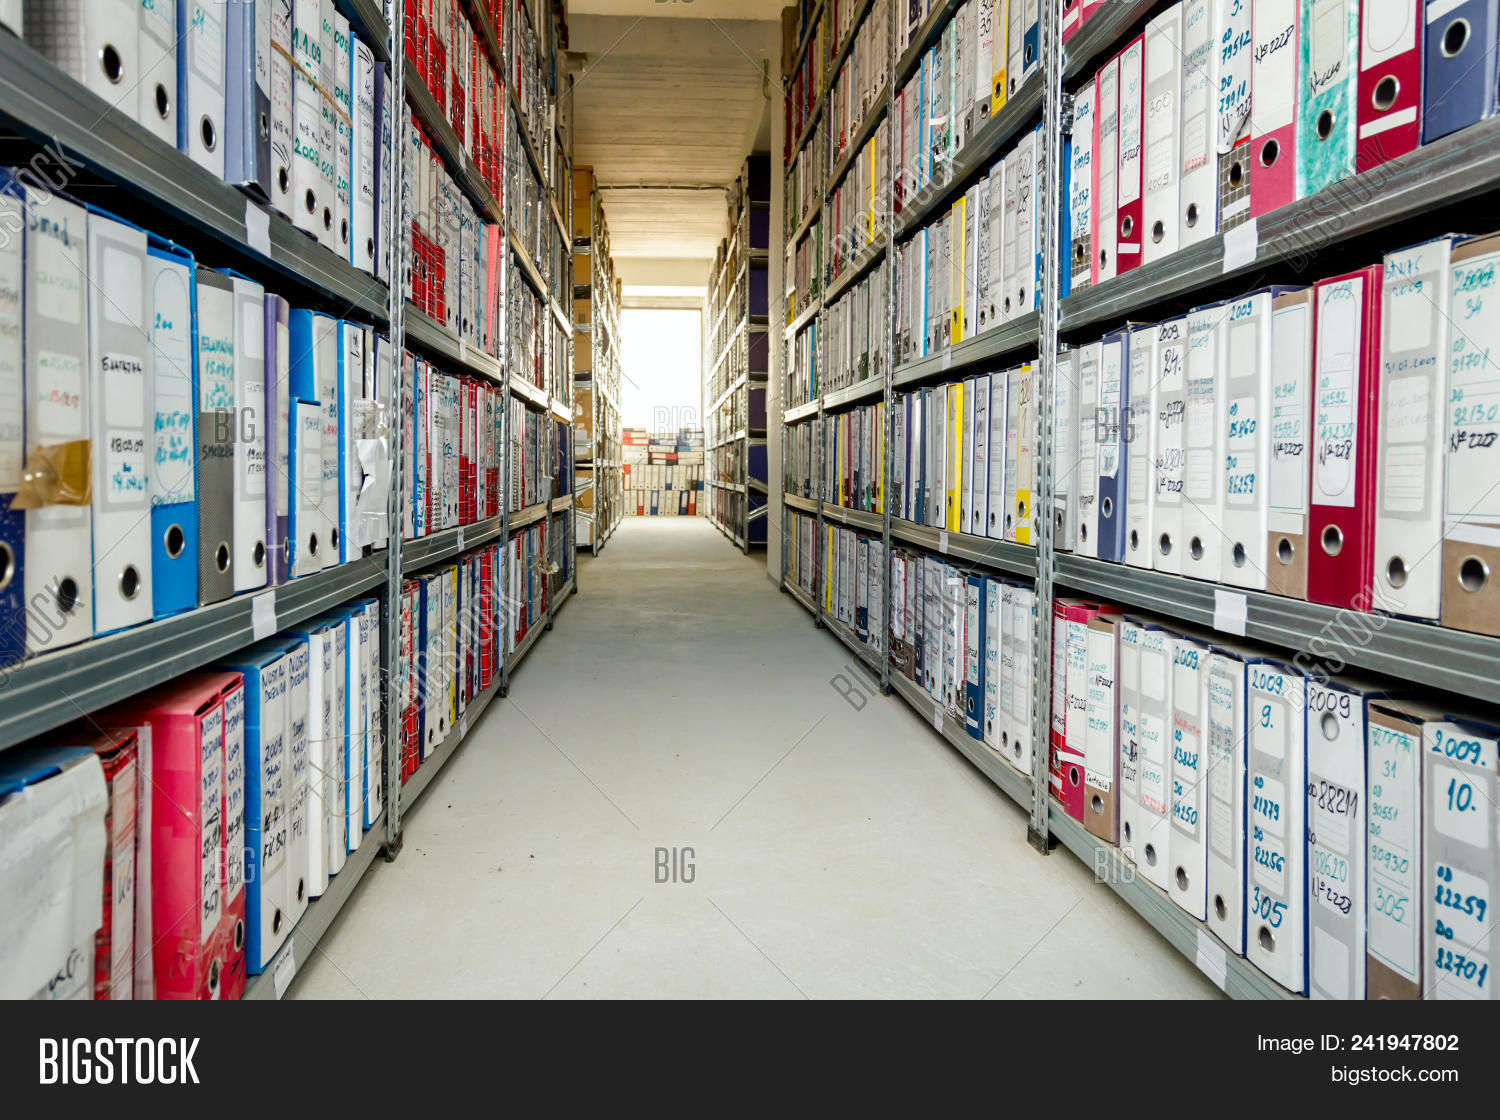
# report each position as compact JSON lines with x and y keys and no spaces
{"x":1127,"y":226}
{"x":239,"y":936}
{"x":1237,"y":554}
{"x":1333,"y":540}
{"x":221,"y":556}
{"x":344,"y":232}
{"x":301,"y":889}
{"x":1164,"y":544}
{"x":1097,"y":805}
{"x":1182,"y":879}
{"x":111,"y":63}
{"x":259,"y":554}
{"x":310,"y":201}
{"x":1195,"y":548}
{"x":327,"y":218}
{"x":67,"y":595}
{"x":163,"y":101}
{"x":1192,"y":214}
{"x":1385,"y":93}
{"x":265,"y":127}
{"x":1270,"y":152}
{"x":1158,"y":231}
{"x":1473,"y":574}
{"x":1285,"y":550}
{"x":1455,"y":38}
{"x":1083,"y":532}
{"x":1395,"y":572}
{"x":1151,"y":854}
{"x":333,"y":538}
{"x":1074,"y":777}
{"x":174,"y":540}
{"x":312,"y":544}
{"x":213,"y":976}
{"x":1125,"y":828}
{"x":1329,"y":725}
{"x":130,"y":582}
{"x":1267,"y":942}
{"x":7,"y":565}
{"x":1325,"y":124}
{"x":208,"y":133}
{"x":1236,"y":174}
{"x":1135,"y":540}
{"x":1220,"y":910}
{"x":1107,"y":507}
{"x":276,"y":921}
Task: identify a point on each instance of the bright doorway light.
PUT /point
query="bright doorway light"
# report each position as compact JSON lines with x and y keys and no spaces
{"x":662,"y":359}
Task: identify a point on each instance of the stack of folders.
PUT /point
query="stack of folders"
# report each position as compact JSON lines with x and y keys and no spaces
{"x":455,"y":254}
{"x":529,"y":597}
{"x":528,"y":346}
{"x":963,"y":457}
{"x":802,"y":551}
{"x":276,"y":98}
{"x":452,"y":619}
{"x":805,"y":180}
{"x":861,"y":79}
{"x":797,"y":450}
{"x":451,"y":447}
{"x":854,"y":458}
{"x":982,"y":57}
{"x":1225,"y":110}
{"x":855,"y":205}
{"x":529,"y":209}
{"x":802,"y":382}
{"x":180,"y":435}
{"x":1340,"y":840}
{"x":805,"y":89}
{"x":805,"y":266}
{"x":1335,"y":443}
{"x":852,"y":577}
{"x":854,"y":328}
{"x":966,"y":637}
{"x":976,"y":265}
{"x":445,"y":53}
{"x":532,"y":47}
{"x":202,"y":817}
{"x":529,"y":482}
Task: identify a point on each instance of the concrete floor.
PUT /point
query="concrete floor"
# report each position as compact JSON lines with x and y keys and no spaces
{"x":681,"y":702}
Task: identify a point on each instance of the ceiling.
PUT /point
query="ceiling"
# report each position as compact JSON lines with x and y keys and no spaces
{"x":665,"y":110}
{"x":683,"y":9}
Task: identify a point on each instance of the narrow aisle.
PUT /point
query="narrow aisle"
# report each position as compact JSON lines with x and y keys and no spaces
{"x":683,"y":703}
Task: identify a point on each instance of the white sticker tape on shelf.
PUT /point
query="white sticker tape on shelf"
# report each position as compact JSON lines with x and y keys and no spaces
{"x":946,"y":360}
{"x":937,"y":718}
{"x":263,"y":615}
{"x":1230,"y":610}
{"x":460,"y":538}
{"x":943,"y":542}
{"x":258,"y":228}
{"x":1211,"y":959}
{"x":1241,"y":244}
{"x":463,"y":350}
{"x":283,"y":971}
{"x":463,"y":727}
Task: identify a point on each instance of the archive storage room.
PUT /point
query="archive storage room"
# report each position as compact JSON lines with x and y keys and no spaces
{"x":866,"y":499}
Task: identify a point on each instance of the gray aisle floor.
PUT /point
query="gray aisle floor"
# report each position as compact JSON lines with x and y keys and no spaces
{"x":682,"y":702}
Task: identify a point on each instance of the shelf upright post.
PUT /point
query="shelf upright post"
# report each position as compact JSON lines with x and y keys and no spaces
{"x":888,"y":226}
{"x":1042,"y":494}
{"x":397,"y":220}
{"x":503,"y":321}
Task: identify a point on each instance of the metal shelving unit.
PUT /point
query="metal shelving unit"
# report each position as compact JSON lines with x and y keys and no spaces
{"x":736,"y":352}
{"x":597,"y":371}
{"x":122,"y":165}
{"x":1457,"y":169}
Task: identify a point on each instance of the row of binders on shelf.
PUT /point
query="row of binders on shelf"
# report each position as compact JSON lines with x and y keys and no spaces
{"x":966,"y":637}
{"x":854,"y":331}
{"x":977,"y":264}
{"x":174,"y":434}
{"x":806,"y":177}
{"x":529,"y":210}
{"x":853,"y":216}
{"x":1336,"y":443}
{"x":457,"y":623}
{"x":446,"y":54}
{"x":980,"y":59}
{"x":279,"y":99}
{"x":842,"y":570}
{"x":1341,"y":839}
{"x":862,"y":75}
{"x":963,"y":456}
{"x":1224,"y":110}
{"x":166,"y":847}
{"x":854,"y":458}
{"x":456,"y":255}
{"x":537,"y":349}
